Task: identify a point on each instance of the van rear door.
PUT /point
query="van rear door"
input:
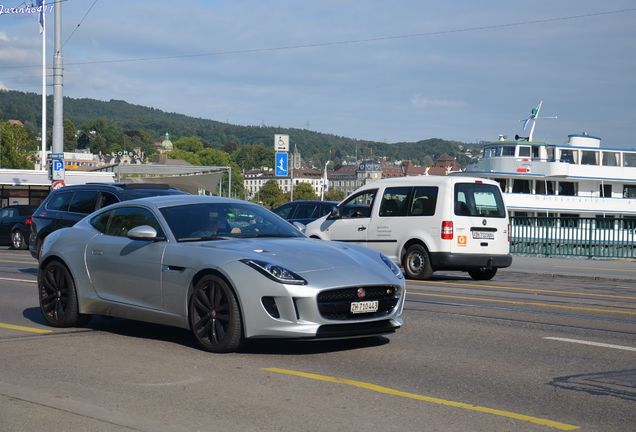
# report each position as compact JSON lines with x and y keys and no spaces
{"x":480,"y":219}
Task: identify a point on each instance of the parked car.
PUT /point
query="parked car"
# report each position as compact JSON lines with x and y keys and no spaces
{"x":15,"y":225}
{"x":426,"y":223}
{"x":304,"y":211}
{"x":226,"y":269}
{"x":66,"y":206}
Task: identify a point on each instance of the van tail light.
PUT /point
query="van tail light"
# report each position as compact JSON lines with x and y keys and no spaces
{"x":28,"y":221}
{"x":447,"y":230}
{"x":508,"y":233}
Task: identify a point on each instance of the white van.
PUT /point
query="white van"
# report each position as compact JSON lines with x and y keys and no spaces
{"x":426,"y":223}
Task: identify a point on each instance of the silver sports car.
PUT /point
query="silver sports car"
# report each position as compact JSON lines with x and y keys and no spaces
{"x":228,"y":270}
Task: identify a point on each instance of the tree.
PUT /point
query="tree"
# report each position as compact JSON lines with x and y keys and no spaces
{"x":70,"y":136}
{"x":270,"y":195}
{"x":192,"y":144}
{"x":254,"y":156}
{"x":16,"y":145}
{"x":214,"y":157}
{"x":187,"y":156}
{"x":335,"y":195}
{"x":304,"y":191}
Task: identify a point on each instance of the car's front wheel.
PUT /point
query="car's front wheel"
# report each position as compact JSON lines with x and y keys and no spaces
{"x":58,"y":297}
{"x":417,"y":263}
{"x":482,"y":273}
{"x":18,"y":241}
{"x":215,"y":317}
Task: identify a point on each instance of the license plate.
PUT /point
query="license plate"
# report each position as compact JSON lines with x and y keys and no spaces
{"x":364,"y":307}
{"x":483,"y":235}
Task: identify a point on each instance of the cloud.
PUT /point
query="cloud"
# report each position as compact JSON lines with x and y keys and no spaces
{"x":4,"y":37}
{"x":3,"y":87}
{"x":420,"y":101}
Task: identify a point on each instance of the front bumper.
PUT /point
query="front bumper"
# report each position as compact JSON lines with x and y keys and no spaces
{"x":453,"y":261}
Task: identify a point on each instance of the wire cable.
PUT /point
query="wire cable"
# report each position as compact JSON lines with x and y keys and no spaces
{"x":80,"y":23}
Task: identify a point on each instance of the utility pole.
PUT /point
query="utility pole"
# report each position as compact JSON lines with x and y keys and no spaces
{"x":58,"y":115}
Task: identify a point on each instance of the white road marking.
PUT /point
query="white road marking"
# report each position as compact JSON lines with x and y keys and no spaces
{"x":18,"y":280}
{"x":597,"y":344}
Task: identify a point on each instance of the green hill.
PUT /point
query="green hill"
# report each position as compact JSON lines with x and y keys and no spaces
{"x":315,"y":147}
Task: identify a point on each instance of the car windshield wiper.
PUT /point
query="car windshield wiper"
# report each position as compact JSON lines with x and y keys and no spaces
{"x":205,"y":238}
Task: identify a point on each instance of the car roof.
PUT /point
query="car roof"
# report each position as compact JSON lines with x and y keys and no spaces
{"x":161,"y":201}
{"x":427,"y":180}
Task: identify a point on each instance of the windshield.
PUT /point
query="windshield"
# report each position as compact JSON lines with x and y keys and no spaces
{"x":214,"y":221}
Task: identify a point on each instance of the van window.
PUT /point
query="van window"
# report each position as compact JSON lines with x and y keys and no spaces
{"x":358,"y":206}
{"x":478,"y":200}
{"x":424,"y":201}
{"x":394,"y":201}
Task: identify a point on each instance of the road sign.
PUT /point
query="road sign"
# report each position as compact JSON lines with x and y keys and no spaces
{"x":58,"y":184}
{"x":56,"y":155}
{"x":282,"y":158}
{"x":281,"y":143}
{"x":58,"y":169}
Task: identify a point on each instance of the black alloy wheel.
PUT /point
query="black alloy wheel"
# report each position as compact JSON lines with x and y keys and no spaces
{"x":215,"y":317}
{"x":58,"y":298}
{"x":18,"y":241}
{"x":483,"y":273}
{"x":416,"y":263}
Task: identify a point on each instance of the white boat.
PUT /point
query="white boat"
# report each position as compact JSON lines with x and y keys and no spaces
{"x":580,"y":179}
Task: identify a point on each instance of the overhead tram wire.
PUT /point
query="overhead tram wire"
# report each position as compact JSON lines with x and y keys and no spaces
{"x":80,"y":23}
{"x":342,"y":42}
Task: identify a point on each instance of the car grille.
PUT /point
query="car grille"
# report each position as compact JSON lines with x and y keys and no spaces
{"x":336,"y":304}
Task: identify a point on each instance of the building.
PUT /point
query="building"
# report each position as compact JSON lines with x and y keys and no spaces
{"x":254,"y":180}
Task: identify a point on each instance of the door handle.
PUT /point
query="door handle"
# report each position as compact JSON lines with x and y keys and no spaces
{"x":361,"y":228}
{"x":97,"y":252}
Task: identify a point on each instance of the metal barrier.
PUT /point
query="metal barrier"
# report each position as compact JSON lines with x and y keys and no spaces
{"x":608,"y":237}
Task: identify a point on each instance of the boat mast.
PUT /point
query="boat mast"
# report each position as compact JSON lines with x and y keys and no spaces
{"x":534,"y":116}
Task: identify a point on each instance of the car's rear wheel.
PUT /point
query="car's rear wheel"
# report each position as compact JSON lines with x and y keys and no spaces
{"x":58,"y":297}
{"x":18,"y":241}
{"x":215,"y":317}
{"x":482,"y":273}
{"x":417,"y":263}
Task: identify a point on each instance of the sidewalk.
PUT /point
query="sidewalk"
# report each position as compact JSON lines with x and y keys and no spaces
{"x":614,"y":269}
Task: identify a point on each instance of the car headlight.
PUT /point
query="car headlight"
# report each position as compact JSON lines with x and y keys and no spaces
{"x":275,"y":272}
{"x":391,"y":265}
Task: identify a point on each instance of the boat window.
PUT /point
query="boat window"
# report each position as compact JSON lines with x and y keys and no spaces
{"x":521,"y":186}
{"x":544,"y":187}
{"x":629,"y":222}
{"x":508,"y":150}
{"x":502,"y":183}
{"x":490,"y":152}
{"x":605,"y":222}
{"x":567,"y":188}
{"x":569,"y":156}
{"x":629,"y":191}
{"x":524,"y":151}
{"x":535,"y":152}
{"x":589,"y":157}
{"x":610,"y":159}
{"x":550,"y":153}
{"x":605,"y":190}
{"x":629,"y":159}
{"x":570,"y":220}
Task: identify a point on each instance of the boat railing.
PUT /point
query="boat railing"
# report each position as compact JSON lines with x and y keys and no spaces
{"x":608,"y":237}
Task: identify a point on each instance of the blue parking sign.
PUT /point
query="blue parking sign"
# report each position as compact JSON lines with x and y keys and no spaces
{"x":58,"y":169}
{"x":281,"y":164}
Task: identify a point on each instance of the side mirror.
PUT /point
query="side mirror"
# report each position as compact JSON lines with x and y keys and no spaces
{"x":300,"y":227}
{"x":335,"y":213}
{"x":142,"y":232}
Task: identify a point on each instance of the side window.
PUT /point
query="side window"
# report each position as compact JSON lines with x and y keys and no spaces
{"x":107,"y":199}
{"x":325,"y":209}
{"x":84,"y":202}
{"x":4,"y":213}
{"x":100,"y":222}
{"x":358,"y":206}
{"x":394,"y":201}
{"x":306,"y":211}
{"x":126,"y":218}
{"x":284,"y":211}
{"x":424,"y":201}
{"x":60,"y":201}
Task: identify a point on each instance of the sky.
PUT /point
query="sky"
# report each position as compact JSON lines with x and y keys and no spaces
{"x":389,"y":71}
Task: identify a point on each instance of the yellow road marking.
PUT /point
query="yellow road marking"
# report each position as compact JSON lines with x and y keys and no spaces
{"x":424,"y":398}
{"x":524,"y":289}
{"x":24,"y":328}
{"x":548,"y":305}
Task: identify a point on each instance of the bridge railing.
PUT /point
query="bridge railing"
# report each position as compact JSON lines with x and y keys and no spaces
{"x":609,"y":237}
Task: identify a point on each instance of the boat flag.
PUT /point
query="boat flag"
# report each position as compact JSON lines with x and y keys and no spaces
{"x":325,"y":181}
{"x":532,"y":116}
{"x":41,"y":10}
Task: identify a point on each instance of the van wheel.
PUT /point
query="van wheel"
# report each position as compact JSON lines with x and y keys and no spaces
{"x":416,"y":263}
{"x":482,"y":273}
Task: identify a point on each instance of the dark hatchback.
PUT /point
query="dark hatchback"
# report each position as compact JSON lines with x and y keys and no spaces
{"x":64,"y":207}
{"x":304,"y":211}
{"x":15,"y":225}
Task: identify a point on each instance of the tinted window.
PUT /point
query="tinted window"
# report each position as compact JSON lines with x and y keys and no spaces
{"x":306,"y":211}
{"x":424,"y":201}
{"x":101,"y":222}
{"x":107,"y":199}
{"x":478,"y":200}
{"x":284,"y":211}
{"x":394,"y":201}
{"x":84,"y":202}
{"x":60,"y":201}
{"x":125,"y":218}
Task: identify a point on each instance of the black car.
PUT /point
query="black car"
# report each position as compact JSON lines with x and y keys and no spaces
{"x":64,"y":207}
{"x":15,"y":224}
{"x":304,"y":211}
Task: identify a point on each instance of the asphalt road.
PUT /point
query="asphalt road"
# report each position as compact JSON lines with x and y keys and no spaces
{"x":527,"y":351}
